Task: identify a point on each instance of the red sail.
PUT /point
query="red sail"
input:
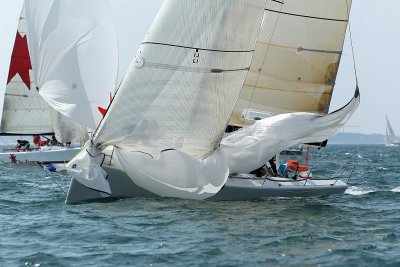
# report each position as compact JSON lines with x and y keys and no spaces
{"x":20,"y":61}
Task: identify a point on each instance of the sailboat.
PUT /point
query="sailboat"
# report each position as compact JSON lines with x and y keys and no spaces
{"x":162,"y":134}
{"x":52,"y":87}
{"x":390,"y":138}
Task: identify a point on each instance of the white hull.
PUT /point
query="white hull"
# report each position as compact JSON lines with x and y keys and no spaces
{"x":236,"y":188}
{"x":44,"y":155}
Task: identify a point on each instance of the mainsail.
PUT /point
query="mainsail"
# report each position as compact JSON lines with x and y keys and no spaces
{"x":74,"y":59}
{"x":24,"y":110}
{"x":296,"y":60}
{"x":391,"y":138}
{"x":290,"y":83}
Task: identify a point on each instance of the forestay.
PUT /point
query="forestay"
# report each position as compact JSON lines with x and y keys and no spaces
{"x":296,"y":59}
{"x":74,"y":57}
{"x":172,"y":108}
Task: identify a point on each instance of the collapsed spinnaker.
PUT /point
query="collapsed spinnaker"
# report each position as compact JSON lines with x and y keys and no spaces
{"x":252,"y":146}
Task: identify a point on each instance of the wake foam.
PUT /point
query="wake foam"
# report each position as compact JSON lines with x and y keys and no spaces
{"x":396,"y":190}
{"x":357,"y":191}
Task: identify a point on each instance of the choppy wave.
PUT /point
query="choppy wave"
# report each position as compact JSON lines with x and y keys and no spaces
{"x":358,"y":228}
{"x":39,"y":185}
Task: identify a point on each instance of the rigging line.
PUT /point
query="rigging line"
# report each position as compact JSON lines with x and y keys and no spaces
{"x":351,"y":42}
{"x":51,"y":177}
{"x":265,"y":56}
{"x":255,"y":44}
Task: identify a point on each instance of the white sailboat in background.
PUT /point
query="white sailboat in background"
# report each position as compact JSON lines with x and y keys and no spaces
{"x":62,"y":83}
{"x":166,"y":122}
{"x":390,"y":138}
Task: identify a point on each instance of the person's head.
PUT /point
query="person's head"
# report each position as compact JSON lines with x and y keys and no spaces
{"x":260,"y":172}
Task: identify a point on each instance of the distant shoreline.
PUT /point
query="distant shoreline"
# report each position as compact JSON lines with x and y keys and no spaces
{"x":357,"y":139}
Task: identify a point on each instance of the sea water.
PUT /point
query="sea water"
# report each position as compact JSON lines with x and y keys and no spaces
{"x":359,"y":228}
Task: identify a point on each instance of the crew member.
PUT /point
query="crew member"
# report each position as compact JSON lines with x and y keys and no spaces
{"x":22,"y":144}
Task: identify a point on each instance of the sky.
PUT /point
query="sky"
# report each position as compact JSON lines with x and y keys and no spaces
{"x":375,"y":27}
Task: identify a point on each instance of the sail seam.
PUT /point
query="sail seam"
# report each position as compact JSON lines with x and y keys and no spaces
{"x":202,"y":49}
{"x":305,"y":16}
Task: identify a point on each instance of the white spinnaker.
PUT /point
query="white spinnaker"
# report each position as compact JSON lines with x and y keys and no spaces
{"x":24,"y":110}
{"x":391,"y":137}
{"x":74,"y":55}
{"x":172,"y":108}
{"x":252,"y":146}
{"x":296,"y":60}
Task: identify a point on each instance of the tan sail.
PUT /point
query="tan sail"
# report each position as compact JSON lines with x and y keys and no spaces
{"x":296,"y":60}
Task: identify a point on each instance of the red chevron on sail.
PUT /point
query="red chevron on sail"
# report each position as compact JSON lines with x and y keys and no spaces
{"x":103,"y":111}
{"x":20,"y":61}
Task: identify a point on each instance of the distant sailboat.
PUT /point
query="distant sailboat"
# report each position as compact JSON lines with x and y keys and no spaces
{"x":166,"y":123}
{"x":390,"y":138}
{"x":63,"y":68}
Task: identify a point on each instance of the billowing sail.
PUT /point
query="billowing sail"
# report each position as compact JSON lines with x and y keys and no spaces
{"x":171,"y":110}
{"x":74,"y":57}
{"x":391,"y":138}
{"x":252,"y":146}
{"x":24,"y":110}
{"x":296,"y":60}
